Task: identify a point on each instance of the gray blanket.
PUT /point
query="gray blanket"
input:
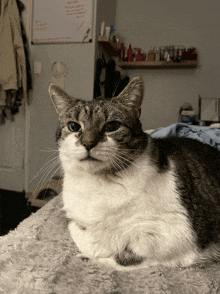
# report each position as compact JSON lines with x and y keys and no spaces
{"x":207,"y":135}
{"x":40,"y":257}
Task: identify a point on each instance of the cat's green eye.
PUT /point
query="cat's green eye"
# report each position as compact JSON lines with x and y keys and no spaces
{"x":73,"y":126}
{"x":112,"y":126}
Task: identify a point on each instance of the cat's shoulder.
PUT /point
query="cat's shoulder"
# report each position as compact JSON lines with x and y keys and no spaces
{"x":179,"y":144}
{"x":182,"y":151}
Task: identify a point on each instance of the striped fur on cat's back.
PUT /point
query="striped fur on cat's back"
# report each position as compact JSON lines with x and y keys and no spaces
{"x":133,"y":201}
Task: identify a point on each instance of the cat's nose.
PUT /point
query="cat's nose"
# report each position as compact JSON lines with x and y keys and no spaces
{"x":88,"y":145}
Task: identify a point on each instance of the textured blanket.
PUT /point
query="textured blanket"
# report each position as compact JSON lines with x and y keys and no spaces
{"x":40,"y":257}
{"x":208,"y":135}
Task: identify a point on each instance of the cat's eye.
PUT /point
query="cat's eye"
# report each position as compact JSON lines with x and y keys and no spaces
{"x":112,"y":126}
{"x":73,"y":126}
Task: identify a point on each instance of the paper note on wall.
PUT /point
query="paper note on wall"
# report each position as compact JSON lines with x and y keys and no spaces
{"x":57,"y":21}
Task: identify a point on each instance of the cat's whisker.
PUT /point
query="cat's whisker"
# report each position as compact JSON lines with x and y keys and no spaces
{"x":126,"y":164}
{"x":116,"y":166}
{"x":123,"y":149}
{"x":44,"y":167}
{"x":129,"y":156}
{"x":116,"y":148}
{"x":122,"y":152}
{"x":49,"y":150}
{"x":120,"y":156}
{"x":47,"y":172}
{"x":41,"y":182}
{"x":108,"y":149}
{"x":53,"y":165}
{"x":122,"y":165}
{"x":128,"y":161}
{"x":52,"y":176}
{"x":53,"y":153}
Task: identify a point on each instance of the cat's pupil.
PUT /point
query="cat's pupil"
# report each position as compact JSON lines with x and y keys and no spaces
{"x":74,"y":127}
{"x":112,"y":126}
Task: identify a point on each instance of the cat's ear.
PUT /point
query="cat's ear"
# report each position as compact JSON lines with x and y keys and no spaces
{"x":132,"y":96}
{"x":61,"y":100}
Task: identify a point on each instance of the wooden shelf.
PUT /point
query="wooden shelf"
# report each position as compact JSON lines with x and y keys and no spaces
{"x":158,"y":64}
{"x":109,"y":46}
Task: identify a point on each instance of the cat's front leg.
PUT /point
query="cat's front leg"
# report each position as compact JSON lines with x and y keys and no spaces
{"x":100,"y":254}
{"x":81,"y":239}
{"x":86,"y":243}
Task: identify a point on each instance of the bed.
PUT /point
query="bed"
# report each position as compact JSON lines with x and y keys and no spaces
{"x":39,"y":256}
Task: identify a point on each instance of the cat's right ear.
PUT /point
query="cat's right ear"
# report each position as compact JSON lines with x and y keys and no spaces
{"x":132,"y":96}
{"x":61,"y":100}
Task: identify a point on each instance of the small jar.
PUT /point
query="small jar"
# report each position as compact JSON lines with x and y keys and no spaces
{"x":180,"y":52}
{"x":126,"y":54}
{"x":175,"y":53}
{"x":162,"y":51}
{"x":157,"y":54}
{"x":171,"y":52}
{"x":166,"y":53}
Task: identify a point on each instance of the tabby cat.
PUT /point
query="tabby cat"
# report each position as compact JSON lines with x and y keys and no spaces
{"x":133,"y":201}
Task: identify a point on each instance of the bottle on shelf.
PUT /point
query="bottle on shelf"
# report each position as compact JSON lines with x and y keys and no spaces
{"x":122,"y":53}
{"x":175,"y":53}
{"x":130,"y":57}
{"x":162,"y":51}
{"x":102,"y":29}
{"x":166,"y":54}
{"x":179,"y":53}
{"x":125,"y":54}
{"x":157,"y":54}
{"x":139,"y":56}
{"x":151,"y":55}
{"x":171,"y":52}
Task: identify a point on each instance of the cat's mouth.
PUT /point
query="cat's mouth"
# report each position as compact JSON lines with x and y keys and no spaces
{"x":90,"y":158}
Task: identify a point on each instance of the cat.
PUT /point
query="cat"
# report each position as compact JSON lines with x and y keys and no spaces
{"x":133,"y":201}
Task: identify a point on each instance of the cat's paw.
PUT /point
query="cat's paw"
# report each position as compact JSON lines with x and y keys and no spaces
{"x":101,"y":251}
{"x":113,"y":264}
{"x":128,"y":258}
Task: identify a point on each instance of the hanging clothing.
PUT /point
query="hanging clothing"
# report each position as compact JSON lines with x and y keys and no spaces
{"x":13,"y":75}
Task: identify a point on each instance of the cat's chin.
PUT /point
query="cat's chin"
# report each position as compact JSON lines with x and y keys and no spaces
{"x":93,"y":165}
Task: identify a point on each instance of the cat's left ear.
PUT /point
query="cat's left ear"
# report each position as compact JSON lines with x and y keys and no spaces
{"x":132,"y":96}
{"x":61,"y":100}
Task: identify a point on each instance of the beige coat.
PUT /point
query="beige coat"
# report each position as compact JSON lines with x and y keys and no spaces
{"x":12,"y":56}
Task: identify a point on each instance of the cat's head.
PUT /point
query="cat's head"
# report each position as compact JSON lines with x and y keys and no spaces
{"x":100,"y":135}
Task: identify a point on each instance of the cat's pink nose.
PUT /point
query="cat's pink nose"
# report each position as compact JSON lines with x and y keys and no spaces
{"x":88,"y":145}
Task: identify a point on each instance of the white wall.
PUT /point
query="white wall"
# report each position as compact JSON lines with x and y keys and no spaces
{"x":43,"y":119}
{"x":157,"y":22}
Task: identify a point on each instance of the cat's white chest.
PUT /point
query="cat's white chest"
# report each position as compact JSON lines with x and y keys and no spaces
{"x":88,"y":198}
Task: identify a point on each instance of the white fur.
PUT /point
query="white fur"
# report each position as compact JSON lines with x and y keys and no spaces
{"x":138,"y":207}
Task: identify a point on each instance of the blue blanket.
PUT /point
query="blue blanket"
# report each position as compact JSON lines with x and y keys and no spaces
{"x":206,"y":135}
